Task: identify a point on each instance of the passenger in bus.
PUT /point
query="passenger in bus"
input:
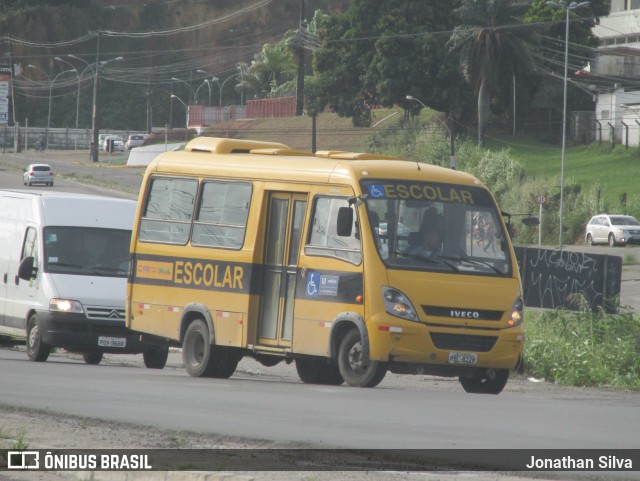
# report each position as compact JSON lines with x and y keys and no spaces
{"x":430,"y":238}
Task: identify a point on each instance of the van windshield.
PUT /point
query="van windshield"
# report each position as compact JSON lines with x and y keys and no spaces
{"x":437,"y":227}
{"x":86,"y":251}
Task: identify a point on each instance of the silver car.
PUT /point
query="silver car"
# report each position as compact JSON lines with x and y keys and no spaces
{"x":613,"y":230}
{"x":38,"y":174}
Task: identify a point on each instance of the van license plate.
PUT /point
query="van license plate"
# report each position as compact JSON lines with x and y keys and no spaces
{"x":112,"y":341}
{"x":462,"y":358}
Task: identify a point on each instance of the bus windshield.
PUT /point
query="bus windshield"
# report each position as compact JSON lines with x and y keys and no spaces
{"x":437,"y":227}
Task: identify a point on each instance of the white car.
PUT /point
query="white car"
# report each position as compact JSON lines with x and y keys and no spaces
{"x":134,"y":140}
{"x":118,"y":144}
{"x":613,"y":230}
{"x":38,"y":174}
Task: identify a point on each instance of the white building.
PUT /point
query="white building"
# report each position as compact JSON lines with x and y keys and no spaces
{"x":618,"y":64}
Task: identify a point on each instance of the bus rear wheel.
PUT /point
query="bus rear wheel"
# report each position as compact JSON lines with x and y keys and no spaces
{"x":356,"y":369}
{"x":196,"y":350}
{"x":318,"y":371}
{"x":487,"y":382}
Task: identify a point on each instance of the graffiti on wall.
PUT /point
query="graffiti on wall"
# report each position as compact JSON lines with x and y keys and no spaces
{"x":555,"y":279}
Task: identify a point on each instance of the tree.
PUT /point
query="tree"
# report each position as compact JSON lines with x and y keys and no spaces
{"x":492,"y":44}
{"x":378,"y":52}
{"x":268,"y":73}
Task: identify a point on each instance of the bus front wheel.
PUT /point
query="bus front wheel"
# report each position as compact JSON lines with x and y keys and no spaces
{"x":488,"y":382}
{"x":356,"y":369}
{"x":196,"y":350}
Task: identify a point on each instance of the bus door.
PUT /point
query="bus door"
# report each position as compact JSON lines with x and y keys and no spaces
{"x":284,"y":234}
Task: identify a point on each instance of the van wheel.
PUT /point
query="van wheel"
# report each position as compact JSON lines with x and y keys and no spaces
{"x":196,"y":350}
{"x":317,"y":371}
{"x":612,"y":240}
{"x":487,"y":382}
{"x":37,"y":350}
{"x":355,"y":368}
{"x":155,"y":357}
{"x":93,"y":357}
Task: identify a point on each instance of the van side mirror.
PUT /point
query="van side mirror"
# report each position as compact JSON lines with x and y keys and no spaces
{"x":27,"y":270}
{"x":345,"y":222}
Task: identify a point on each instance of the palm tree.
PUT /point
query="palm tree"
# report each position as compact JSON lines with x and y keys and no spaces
{"x":268,"y":73}
{"x":492,"y":44}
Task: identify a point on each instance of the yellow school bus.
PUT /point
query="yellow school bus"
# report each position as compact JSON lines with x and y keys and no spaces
{"x":247,"y":248}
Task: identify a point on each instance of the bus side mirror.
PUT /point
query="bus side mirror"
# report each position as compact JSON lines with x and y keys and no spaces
{"x":27,"y":271}
{"x":345,"y":222}
{"x":531,"y":221}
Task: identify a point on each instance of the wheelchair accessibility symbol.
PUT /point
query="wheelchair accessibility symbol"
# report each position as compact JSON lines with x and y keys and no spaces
{"x":313,"y":280}
{"x":376,"y":191}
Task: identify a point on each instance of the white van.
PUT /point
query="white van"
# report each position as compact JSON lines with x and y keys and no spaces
{"x":64,"y":262}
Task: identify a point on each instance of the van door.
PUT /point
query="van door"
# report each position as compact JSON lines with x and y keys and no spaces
{"x":284,"y":233}
{"x":21,"y":293}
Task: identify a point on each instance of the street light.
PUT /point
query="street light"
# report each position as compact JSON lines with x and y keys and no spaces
{"x":186,"y":117}
{"x":213,"y":79}
{"x":567,"y":8}
{"x":94,"y":118}
{"x":225,"y":81}
{"x":51,"y":82}
{"x":77,"y":95}
{"x":187,"y":84}
{"x":452,"y":158}
{"x":195,"y":96}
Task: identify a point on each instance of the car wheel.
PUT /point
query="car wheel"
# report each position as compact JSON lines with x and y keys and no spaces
{"x":612,"y":240}
{"x":589,"y":240}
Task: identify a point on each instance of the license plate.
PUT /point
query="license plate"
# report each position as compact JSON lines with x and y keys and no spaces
{"x":462,"y":358}
{"x":112,"y":341}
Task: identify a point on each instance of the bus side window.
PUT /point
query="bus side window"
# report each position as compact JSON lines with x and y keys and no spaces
{"x":168,"y":210}
{"x":324,"y":239}
{"x":221,"y":219}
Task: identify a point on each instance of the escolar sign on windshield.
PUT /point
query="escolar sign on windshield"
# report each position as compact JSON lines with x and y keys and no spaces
{"x":421,"y":191}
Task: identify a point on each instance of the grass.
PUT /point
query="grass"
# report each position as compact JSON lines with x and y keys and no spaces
{"x":584,"y":348}
{"x":616,"y":170}
{"x":14,"y":443}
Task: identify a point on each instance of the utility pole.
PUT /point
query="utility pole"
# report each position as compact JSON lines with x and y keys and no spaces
{"x":94,"y":116}
{"x":300,"y":51}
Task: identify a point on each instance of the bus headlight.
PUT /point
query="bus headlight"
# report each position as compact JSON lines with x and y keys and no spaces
{"x":517,"y":314}
{"x":397,"y":304}
{"x":65,"y":305}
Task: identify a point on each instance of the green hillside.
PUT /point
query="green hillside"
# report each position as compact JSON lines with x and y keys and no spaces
{"x":616,"y":170}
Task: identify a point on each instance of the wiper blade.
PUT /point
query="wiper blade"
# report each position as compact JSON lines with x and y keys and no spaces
{"x":477,"y":263}
{"x":432,"y":259}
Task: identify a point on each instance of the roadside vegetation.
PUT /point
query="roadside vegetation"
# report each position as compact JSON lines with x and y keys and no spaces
{"x":583,"y":348}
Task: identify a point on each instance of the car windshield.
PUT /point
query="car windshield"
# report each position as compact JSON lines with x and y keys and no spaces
{"x":41,"y":168}
{"x":437,"y":227}
{"x":624,"y":220}
{"x":86,"y":251}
